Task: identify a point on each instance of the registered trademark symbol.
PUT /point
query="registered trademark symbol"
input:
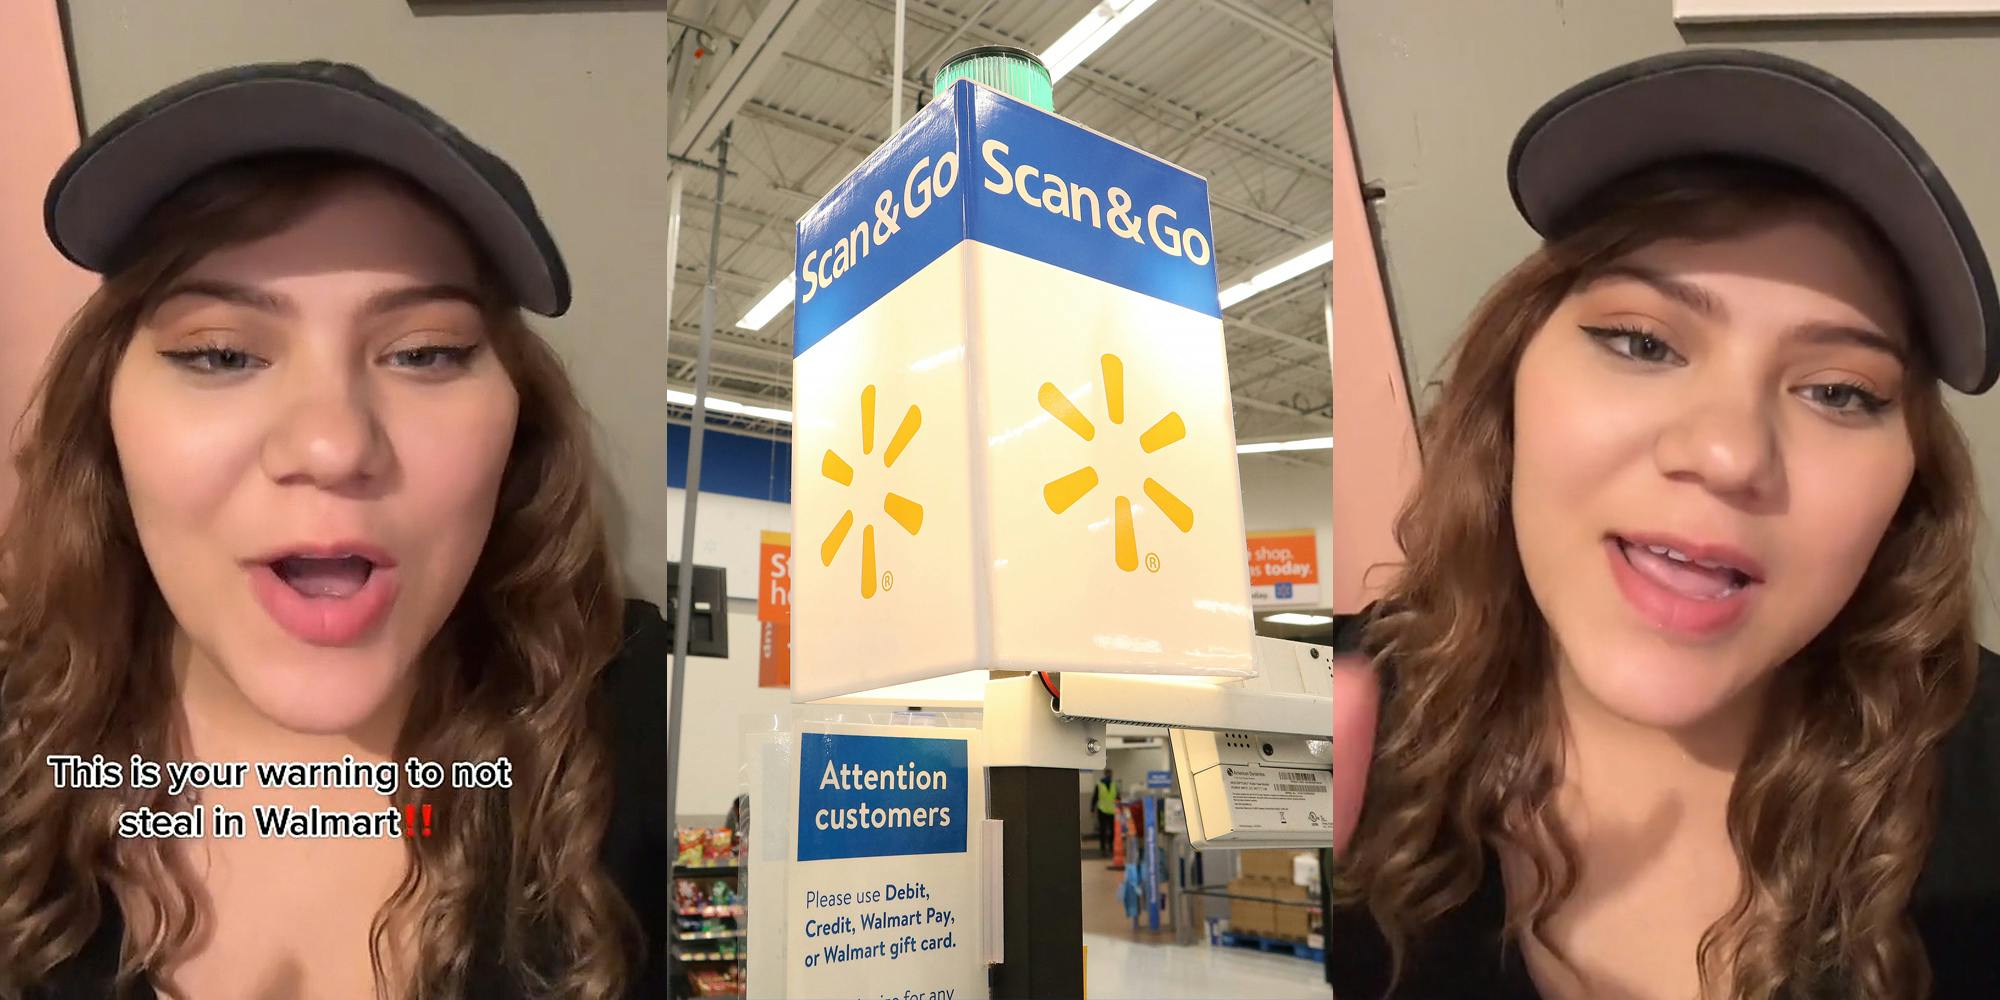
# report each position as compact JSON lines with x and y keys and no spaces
{"x":888,"y":581}
{"x":1152,"y":562}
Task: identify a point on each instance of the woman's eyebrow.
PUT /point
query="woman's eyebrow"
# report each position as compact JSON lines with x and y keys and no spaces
{"x":233,"y":293}
{"x":1687,"y":293}
{"x":1704,"y":302}
{"x":392,"y":299}
{"x":1840,"y":333}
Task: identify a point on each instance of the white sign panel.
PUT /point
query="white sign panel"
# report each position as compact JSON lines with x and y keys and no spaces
{"x":1712,"y":11}
{"x":1011,"y":392}
{"x":883,"y":887}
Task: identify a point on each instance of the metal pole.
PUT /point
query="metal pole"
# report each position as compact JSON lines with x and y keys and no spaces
{"x":1041,"y":856}
{"x":895,"y":87}
{"x":896,"y":75}
{"x":684,"y":608}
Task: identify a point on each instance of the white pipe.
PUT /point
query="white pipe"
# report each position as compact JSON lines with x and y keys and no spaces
{"x":896,"y":82}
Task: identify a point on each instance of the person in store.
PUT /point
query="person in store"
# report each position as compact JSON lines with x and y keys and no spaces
{"x":1106,"y":798}
{"x":300,"y":484}
{"x":1679,"y":691}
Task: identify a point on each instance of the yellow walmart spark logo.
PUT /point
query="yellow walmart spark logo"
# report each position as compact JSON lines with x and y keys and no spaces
{"x":1063,"y":493}
{"x":904,"y":511}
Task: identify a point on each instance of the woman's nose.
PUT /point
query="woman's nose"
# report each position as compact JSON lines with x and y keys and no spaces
{"x":1728,"y":443}
{"x":329,"y":437}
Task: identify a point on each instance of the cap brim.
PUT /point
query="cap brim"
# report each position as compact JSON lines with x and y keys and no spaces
{"x":105,"y":190}
{"x":1757,"y":106}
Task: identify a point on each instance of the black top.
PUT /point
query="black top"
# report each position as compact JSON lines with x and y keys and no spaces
{"x":1956,"y":904}
{"x":635,"y":852}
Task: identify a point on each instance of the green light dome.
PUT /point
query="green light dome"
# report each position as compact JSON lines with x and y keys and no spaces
{"x":1011,"y":71}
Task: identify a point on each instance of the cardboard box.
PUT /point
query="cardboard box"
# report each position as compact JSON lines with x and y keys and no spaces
{"x":1252,"y":917}
{"x":1291,"y":915}
{"x":1269,"y":864}
{"x":1276,"y":908}
{"x":1290,"y":923}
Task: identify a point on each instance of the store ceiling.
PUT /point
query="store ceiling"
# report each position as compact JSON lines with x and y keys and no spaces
{"x":1235,"y":90}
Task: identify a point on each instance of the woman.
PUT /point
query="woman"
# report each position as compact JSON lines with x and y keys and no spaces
{"x":1675,"y":682}
{"x":301,"y":486}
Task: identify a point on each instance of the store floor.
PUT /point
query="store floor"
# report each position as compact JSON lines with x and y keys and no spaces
{"x":1127,"y":963}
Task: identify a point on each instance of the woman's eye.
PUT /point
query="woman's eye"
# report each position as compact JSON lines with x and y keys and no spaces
{"x":1846,"y":398}
{"x":1635,"y":344}
{"x":432,"y":358}
{"x":215,"y":360}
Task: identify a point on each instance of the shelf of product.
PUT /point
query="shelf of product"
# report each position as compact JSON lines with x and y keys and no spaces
{"x":718,"y":955}
{"x":723,"y":982}
{"x":706,"y":848}
{"x":713,"y":898}
{"x":710,"y":935}
{"x":710,"y":939}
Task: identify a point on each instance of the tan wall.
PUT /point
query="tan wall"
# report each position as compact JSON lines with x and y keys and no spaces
{"x":575,"y":101}
{"x":38,"y":288}
{"x":1436,"y":88}
{"x":1374,"y":444}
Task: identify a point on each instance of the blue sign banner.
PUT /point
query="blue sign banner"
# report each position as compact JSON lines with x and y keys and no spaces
{"x":1159,"y":779}
{"x":1052,"y":190}
{"x":977,"y":164}
{"x":880,"y":796}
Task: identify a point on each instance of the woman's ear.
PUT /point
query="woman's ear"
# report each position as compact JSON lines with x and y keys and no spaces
{"x":1356,"y":692}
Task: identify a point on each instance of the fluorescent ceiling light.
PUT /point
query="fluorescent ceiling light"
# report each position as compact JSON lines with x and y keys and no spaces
{"x":773,"y":303}
{"x":1294,"y":618}
{"x":1302,"y":444}
{"x":1278,"y":274}
{"x":1096,"y":28}
{"x":731,"y":406}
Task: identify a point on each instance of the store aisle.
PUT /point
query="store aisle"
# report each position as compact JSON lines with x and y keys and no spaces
{"x":1127,"y":963}
{"x":1121,"y":969}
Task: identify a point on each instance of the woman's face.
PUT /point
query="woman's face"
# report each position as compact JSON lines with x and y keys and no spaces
{"x":312,"y":429}
{"x":1710,"y":441}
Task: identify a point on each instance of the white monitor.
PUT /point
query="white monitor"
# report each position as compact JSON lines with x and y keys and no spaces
{"x":1253,"y":757}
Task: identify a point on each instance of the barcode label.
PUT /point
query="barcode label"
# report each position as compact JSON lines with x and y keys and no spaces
{"x":1297,"y":776}
{"x":1309,"y":789}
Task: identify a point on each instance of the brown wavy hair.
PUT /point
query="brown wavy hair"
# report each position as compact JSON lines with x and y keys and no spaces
{"x":1831,"y":812}
{"x":84,"y":634}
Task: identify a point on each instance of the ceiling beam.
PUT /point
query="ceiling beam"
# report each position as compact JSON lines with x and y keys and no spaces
{"x":681,"y":416}
{"x":1275,"y":29}
{"x":1277,"y":222}
{"x":762,"y":48}
{"x":767,"y":401}
{"x":1263,"y":406}
{"x":1261,"y":91}
{"x":1278,"y":335}
{"x":823,"y":131}
{"x":737,"y":371}
{"x":739,"y":213}
{"x":728,"y":339}
{"x":742,"y":282}
{"x":737,"y":40}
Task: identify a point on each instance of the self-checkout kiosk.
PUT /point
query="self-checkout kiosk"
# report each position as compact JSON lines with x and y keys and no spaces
{"x":1015,"y":477}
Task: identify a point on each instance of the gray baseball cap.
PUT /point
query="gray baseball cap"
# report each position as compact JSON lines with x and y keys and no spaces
{"x":1734,"y":103}
{"x":123,"y":170}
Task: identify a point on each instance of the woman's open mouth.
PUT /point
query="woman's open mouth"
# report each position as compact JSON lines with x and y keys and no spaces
{"x":338,"y":576}
{"x":1689,"y":590}
{"x":332,"y":596}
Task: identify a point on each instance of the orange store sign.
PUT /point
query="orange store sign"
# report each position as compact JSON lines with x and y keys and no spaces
{"x":1284,"y":567}
{"x":774,"y":610}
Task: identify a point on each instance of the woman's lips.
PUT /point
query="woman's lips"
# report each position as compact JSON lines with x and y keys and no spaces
{"x":328,"y":616}
{"x":1677,"y":597}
